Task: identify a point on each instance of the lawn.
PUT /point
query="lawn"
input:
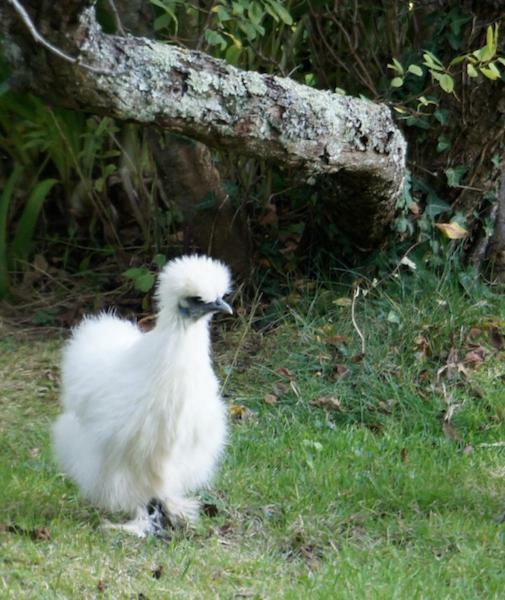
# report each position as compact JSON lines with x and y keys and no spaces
{"x":346,"y":476}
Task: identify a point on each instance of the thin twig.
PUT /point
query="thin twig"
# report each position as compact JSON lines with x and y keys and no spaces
{"x":117,"y":18}
{"x":492,"y":445}
{"x":25,"y":17}
{"x":240,"y":344}
{"x":353,"y":317}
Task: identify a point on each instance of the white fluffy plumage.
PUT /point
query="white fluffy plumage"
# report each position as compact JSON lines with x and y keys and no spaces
{"x":142,"y":414}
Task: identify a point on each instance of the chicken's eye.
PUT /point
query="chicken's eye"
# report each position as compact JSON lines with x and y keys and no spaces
{"x":195,"y":300}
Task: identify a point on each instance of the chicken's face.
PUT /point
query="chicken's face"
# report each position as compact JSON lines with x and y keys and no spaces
{"x":194,"y":307}
{"x":193,"y":287}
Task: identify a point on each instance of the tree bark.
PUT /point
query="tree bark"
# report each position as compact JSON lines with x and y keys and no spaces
{"x":349,"y":147}
{"x":189,"y":177}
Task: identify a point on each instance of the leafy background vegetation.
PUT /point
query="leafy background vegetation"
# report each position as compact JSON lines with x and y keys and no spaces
{"x":82,"y":195}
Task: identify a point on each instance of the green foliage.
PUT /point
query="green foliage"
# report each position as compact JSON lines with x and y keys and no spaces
{"x":482,"y":60}
{"x":25,"y":227}
{"x":17,"y":251}
{"x":142,"y":278}
{"x":5,"y":201}
{"x":243,"y":32}
{"x":109,"y":196}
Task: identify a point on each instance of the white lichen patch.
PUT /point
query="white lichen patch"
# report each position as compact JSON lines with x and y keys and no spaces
{"x":254,"y":84}
{"x":161,"y":56}
{"x":232,"y":85}
{"x":201,"y":82}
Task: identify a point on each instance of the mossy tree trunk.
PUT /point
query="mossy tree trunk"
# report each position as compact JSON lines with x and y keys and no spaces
{"x":188,"y":174}
{"x":348,"y":148}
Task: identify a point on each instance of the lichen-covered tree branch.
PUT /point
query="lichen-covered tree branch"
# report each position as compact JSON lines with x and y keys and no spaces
{"x":349,"y":148}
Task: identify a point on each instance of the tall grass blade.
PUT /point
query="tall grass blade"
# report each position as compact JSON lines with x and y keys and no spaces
{"x":5,"y":201}
{"x":25,"y":228}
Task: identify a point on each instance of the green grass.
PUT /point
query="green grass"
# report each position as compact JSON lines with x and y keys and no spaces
{"x":372,"y":500}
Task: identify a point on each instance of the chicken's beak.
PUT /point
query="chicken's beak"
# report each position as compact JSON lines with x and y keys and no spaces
{"x":220,"y":305}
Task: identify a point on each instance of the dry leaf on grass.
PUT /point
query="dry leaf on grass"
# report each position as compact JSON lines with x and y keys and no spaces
{"x":281,"y":389}
{"x":475,"y":357}
{"x":451,"y":432}
{"x":328,"y":402}
{"x":270,"y":399}
{"x":101,"y":586}
{"x":340,"y":371}
{"x":453,"y":367}
{"x":497,"y":338}
{"x":474,"y":333}
{"x":336,"y":340}
{"x":422,"y":346}
{"x":239,"y":412}
{"x":285,"y":372}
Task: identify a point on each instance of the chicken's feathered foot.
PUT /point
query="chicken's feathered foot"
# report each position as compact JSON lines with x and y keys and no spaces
{"x":149,"y":520}
{"x":157,"y":518}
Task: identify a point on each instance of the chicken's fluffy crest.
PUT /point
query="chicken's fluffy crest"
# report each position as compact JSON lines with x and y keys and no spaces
{"x":192,"y":276}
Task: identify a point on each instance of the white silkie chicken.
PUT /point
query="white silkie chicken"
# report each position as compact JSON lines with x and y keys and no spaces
{"x":143,"y":423}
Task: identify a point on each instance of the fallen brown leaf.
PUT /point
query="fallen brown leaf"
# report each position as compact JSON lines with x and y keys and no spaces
{"x":474,"y":333}
{"x":336,"y":340}
{"x":451,"y":432}
{"x":281,"y":389}
{"x":270,"y":399}
{"x":340,"y":370}
{"x":101,"y":586}
{"x":329,"y":402}
{"x":404,"y":455}
{"x":285,"y":372}
{"x":452,"y":367}
{"x":475,"y":357}
{"x":497,"y":338}
{"x":422,"y":346}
